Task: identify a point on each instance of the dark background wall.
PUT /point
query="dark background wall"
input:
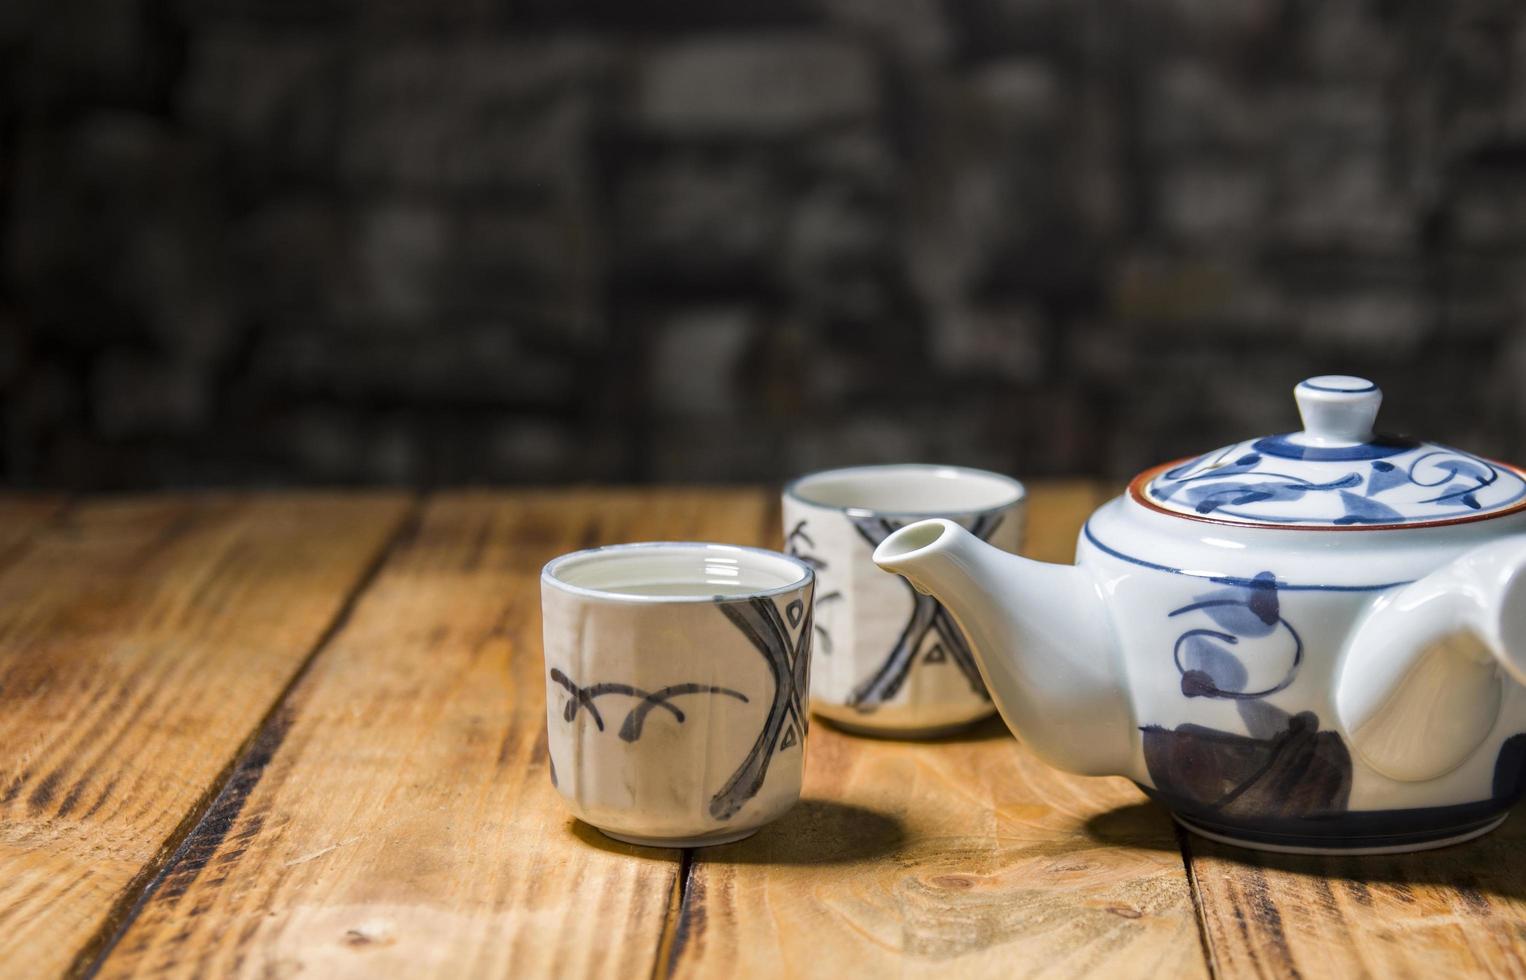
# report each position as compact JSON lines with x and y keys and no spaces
{"x":278,"y":241}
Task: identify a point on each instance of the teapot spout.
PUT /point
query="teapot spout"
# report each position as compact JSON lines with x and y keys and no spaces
{"x":1423,"y":675}
{"x":1041,"y":636}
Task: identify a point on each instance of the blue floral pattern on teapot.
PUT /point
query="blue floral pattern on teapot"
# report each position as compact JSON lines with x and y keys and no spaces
{"x":1336,"y":473}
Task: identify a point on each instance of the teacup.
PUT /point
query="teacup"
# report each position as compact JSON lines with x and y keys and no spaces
{"x":676,"y":676}
{"x":891,"y":661}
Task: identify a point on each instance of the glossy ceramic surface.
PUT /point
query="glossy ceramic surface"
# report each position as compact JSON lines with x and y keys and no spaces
{"x":890,"y":661}
{"x":1293,"y":685}
{"x":676,"y":676}
{"x":1336,"y":472}
{"x":1272,"y":701}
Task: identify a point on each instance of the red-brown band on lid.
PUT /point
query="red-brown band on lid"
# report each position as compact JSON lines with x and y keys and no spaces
{"x":1138,"y":485}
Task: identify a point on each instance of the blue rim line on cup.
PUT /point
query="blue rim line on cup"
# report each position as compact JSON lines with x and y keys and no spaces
{"x":1019,"y":491}
{"x":549,"y":576}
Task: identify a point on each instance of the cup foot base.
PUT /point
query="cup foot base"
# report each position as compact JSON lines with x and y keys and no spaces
{"x":702,"y":840}
{"x":1334,"y":847}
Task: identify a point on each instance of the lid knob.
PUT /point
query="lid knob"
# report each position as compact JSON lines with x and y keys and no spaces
{"x":1337,"y":409}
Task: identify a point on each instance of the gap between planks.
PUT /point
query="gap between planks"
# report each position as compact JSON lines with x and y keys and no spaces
{"x":226,"y":793}
{"x":204,"y":829}
{"x":671,"y":942}
{"x":1194,"y":889}
{"x":467,"y":582}
{"x":1052,"y":531}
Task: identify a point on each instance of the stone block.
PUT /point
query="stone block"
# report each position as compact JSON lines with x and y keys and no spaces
{"x":1487,"y":210}
{"x":691,"y":213}
{"x":401,"y":251}
{"x":1388,"y":323}
{"x":1343,"y":199}
{"x":917,"y":31}
{"x":660,"y":17}
{"x":1018,"y":95}
{"x":1191,"y":108}
{"x":1099,"y":349}
{"x":533,"y":450}
{"x":1512,"y":370}
{"x":1007,"y":342}
{"x":291,"y":258}
{"x":134,"y":395}
{"x":271,"y":98}
{"x":1347,"y":116}
{"x":116,"y":235}
{"x":400,"y":17}
{"x":862,"y":155}
{"x":464,"y":114}
{"x":540,"y":266}
{"x":1212,"y":205}
{"x":1235,"y":33}
{"x":19,"y":21}
{"x":697,"y":362}
{"x":837,"y":242}
{"x":509,"y":448}
{"x":441,"y":364}
{"x":704,"y":451}
{"x":335,"y":444}
{"x":310,"y":14}
{"x":850,"y":438}
{"x":394,"y":242}
{"x":1514,"y":92}
{"x":1167,"y":292}
{"x":989,"y":203}
{"x":1482,"y":296}
{"x":1348,"y":41}
{"x":83,"y":52}
{"x":761,"y":86}
{"x":986,"y":29}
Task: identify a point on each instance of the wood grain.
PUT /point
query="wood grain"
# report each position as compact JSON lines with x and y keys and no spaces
{"x":399,"y":818}
{"x":394,"y":815}
{"x":141,"y":642}
{"x":964,"y":856}
{"x":1454,"y":912}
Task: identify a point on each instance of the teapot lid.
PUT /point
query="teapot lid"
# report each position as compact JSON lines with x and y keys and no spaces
{"x":1336,"y":473}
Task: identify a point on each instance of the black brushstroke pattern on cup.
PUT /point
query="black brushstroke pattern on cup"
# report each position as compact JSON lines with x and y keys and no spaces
{"x":789,"y":662}
{"x":927,"y":614}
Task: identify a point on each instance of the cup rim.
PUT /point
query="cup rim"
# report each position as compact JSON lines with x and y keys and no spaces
{"x":548,"y":574}
{"x":1019,"y":490}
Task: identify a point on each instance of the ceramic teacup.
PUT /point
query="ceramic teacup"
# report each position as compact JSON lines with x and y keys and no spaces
{"x":676,"y":676}
{"x":889,"y":660}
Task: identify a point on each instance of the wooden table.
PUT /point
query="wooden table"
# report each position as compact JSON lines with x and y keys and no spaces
{"x":272,"y":735}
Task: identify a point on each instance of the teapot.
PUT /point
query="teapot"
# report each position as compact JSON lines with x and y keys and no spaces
{"x":1306,"y":642}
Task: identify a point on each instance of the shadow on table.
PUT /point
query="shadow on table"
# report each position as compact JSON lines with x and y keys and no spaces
{"x":990,"y":730}
{"x":813,"y":832}
{"x":981,"y":731}
{"x":1488,"y":865}
{"x":817,"y":832}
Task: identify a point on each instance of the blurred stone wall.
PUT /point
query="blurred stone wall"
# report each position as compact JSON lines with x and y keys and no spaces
{"x":275,"y":241}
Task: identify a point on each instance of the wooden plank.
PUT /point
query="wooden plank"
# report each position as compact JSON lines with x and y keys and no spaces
{"x":141,"y":642}
{"x":399,"y":818}
{"x":962,"y":857}
{"x":1459,"y":911}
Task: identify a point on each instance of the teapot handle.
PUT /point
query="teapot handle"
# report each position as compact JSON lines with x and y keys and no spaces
{"x":1423,"y":675}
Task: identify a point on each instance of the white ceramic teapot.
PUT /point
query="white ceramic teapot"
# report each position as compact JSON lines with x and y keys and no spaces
{"x":1308,"y":642}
